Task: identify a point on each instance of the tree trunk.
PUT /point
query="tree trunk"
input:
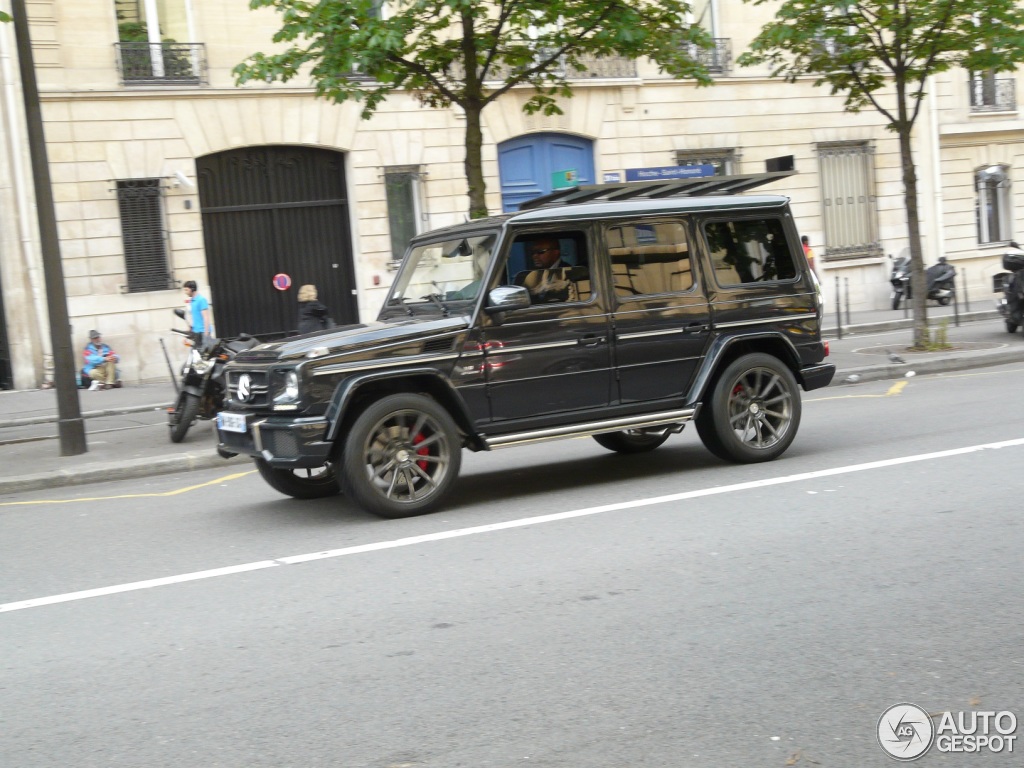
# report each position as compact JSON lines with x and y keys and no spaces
{"x":917,"y":278}
{"x":474,"y":161}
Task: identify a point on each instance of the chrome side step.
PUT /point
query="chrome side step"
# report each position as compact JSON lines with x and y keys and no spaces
{"x":663,"y":418}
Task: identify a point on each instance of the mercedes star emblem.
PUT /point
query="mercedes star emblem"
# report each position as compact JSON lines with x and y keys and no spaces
{"x":244,"y":387}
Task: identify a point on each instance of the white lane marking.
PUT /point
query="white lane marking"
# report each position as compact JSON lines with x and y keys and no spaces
{"x":507,"y":525}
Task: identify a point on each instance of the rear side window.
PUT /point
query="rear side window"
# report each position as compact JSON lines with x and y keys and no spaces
{"x":649,"y":258}
{"x":749,"y":251}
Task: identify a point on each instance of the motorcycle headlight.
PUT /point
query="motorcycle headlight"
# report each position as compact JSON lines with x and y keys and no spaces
{"x":201,"y":366}
{"x":289,"y":388}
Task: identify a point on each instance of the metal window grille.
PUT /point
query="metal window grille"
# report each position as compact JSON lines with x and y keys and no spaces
{"x":989,"y":94}
{"x":723,"y":160}
{"x":142,"y":232}
{"x":165,"y":64}
{"x":717,"y":59}
{"x":848,"y":198}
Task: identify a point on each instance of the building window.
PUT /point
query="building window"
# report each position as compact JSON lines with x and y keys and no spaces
{"x":848,"y":198}
{"x":405,"y":211}
{"x":992,"y":94}
{"x":724,"y":161}
{"x":993,"y":204}
{"x":142,"y":232}
{"x":148,"y":49}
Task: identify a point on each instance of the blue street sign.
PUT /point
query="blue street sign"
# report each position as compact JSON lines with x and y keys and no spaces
{"x":668,"y":172}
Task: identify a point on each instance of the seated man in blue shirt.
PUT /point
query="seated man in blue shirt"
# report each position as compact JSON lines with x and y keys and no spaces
{"x":100,"y":363}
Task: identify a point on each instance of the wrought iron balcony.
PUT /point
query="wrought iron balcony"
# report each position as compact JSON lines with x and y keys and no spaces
{"x":605,"y":67}
{"x":593,"y":68}
{"x":168,"y":64}
{"x":717,"y":59}
{"x":991,"y":95}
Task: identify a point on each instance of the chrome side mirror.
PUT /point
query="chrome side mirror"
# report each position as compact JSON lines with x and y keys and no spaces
{"x":505,"y":298}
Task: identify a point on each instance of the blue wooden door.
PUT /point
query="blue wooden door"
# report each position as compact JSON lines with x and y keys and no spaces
{"x":526,"y":164}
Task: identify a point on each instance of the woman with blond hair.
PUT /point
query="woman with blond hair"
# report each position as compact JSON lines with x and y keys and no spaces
{"x":312,"y":314}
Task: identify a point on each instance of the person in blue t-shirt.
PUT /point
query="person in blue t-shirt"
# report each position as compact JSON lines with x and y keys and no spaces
{"x":100,"y":363}
{"x":200,"y":309}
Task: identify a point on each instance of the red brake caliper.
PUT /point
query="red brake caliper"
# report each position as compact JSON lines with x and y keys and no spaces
{"x":425,"y":451}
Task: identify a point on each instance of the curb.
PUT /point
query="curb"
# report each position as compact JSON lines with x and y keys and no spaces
{"x":832,"y":331}
{"x":940,"y":365}
{"x":123,"y":470}
{"x":49,"y":418}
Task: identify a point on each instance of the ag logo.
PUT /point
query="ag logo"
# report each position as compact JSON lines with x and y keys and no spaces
{"x":905,"y":732}
{"x":244,"y":387}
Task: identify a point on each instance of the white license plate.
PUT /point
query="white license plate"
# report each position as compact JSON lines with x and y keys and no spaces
{"x":231,"y":422}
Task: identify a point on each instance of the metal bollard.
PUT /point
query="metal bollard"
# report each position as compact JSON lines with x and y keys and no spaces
{"x":967,"y":299}
{"x":846,"y":285}
{"x":956,"y":302}
{"x":839,"y":311}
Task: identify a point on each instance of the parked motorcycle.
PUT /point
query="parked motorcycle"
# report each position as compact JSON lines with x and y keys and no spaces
{"x":940,"y":277}
{"x":202,"y":391}
{"x":1011,"y":285}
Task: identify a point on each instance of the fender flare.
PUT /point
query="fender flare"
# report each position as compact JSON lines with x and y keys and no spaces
{"x":724,"y":349}
{"x":426,"y":380}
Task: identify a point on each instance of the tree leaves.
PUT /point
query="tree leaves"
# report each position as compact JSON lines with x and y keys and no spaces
{"x":469,"y":53}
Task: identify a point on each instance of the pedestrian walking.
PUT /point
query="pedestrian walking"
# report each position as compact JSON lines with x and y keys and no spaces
{"x":313,"y":316}
{"x":199,"y":308}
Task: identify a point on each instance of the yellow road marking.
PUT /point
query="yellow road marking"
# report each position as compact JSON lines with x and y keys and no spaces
{"x":896,"y":388}
{"x":176,"y":492}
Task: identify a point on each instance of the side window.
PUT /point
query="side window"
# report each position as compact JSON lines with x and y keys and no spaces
{"x":553,"y":266}
{"x":649,"y":258}
{"x":749,"y":251}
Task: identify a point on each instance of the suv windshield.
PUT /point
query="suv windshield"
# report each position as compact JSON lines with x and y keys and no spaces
{"x":437,"y":273}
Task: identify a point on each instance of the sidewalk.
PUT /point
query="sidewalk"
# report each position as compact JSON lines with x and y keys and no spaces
{"x":126,"y":429}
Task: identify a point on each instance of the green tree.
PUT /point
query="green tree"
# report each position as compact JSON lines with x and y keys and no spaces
{"x":880,"y":54}
{"x":469,"y":53}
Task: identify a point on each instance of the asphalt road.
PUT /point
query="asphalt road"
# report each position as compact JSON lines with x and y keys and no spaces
{"x":571,"y":607}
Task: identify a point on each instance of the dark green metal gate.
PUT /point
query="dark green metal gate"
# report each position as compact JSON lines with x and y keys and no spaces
{"x":271,"y":211}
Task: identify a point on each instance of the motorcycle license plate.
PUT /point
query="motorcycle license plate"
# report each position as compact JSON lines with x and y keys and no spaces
{"x":231,"y":422}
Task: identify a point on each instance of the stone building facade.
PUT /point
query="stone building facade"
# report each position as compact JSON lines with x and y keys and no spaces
{"x":160,"y":173}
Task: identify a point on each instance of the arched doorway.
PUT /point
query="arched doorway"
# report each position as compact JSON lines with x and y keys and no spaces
{"x":269,"y":211}
{"x":526,"y":165}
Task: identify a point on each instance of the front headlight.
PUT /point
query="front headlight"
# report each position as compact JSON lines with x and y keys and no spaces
{"x":290,"y":390}
{"x":201,"y":366}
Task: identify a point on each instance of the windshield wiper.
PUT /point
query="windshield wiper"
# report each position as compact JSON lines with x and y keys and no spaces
{"x":404,"y":302}
{"x":436,"y":298}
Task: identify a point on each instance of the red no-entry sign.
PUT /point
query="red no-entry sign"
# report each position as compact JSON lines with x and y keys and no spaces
{"x":282,"y":282}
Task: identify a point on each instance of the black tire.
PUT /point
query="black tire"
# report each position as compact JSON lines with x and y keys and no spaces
{"x":752,"y":412}
{"x":316,"y":483}
{"x":181,"y":418}
{"x":1011,"y":327}
{"x":944,"y":300}
{"x":401,"y":456}
{"x":632,"y":440}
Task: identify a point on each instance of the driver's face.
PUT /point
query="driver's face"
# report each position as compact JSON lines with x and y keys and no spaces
{"x":545,"y":253}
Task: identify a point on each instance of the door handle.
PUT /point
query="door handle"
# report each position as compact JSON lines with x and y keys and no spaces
{"x":590,"y":340}
{"x":695,"y":327}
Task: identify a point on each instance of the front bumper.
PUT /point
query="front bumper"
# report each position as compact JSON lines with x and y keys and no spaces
{"x":284,"y":443}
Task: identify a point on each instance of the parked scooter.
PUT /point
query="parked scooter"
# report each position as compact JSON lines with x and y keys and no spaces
{"x":1010,"y":285}
{"x":202,"y":390}
{"x":940,"y":277}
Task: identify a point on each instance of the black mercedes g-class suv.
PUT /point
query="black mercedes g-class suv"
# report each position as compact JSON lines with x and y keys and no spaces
{"x":619,"y":311}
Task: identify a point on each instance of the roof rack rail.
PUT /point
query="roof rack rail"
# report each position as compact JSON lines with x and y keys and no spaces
{"x":656,"y":190}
